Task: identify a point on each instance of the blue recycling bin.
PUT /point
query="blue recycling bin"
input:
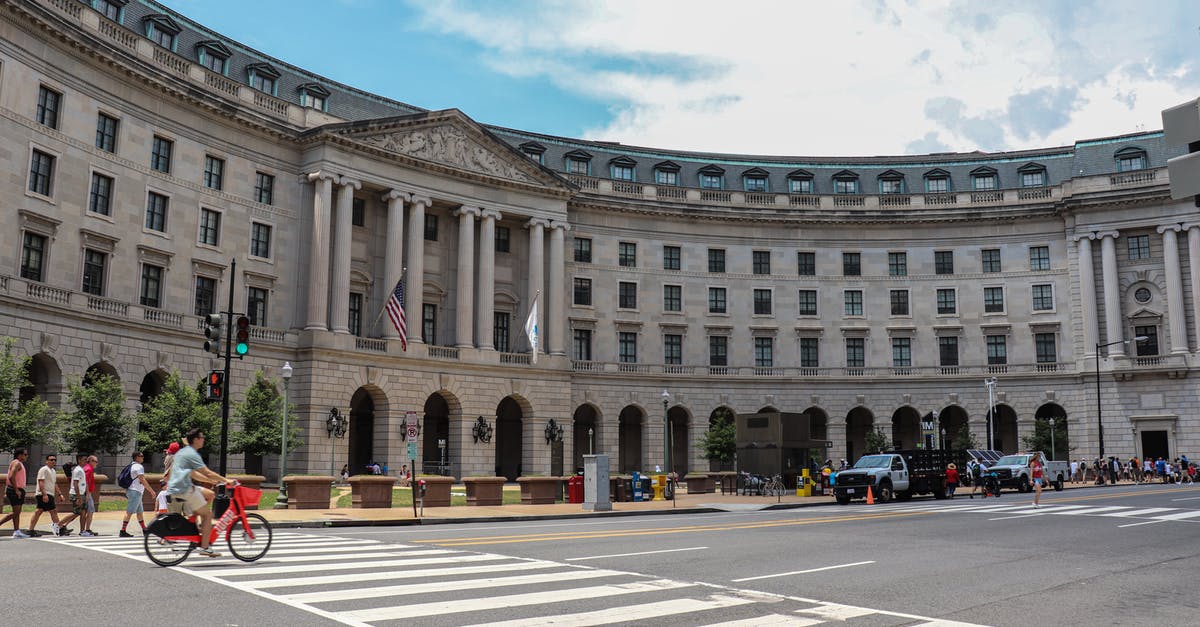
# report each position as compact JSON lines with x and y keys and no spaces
{"x":638,"y":495}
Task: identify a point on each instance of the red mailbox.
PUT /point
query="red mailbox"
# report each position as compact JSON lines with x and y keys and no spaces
{"x":575,"y":489}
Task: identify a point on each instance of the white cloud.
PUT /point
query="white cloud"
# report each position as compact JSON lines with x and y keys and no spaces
{"x":839,"y":78}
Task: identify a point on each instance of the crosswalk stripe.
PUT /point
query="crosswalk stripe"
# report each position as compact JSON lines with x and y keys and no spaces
{"x":134,"y":549}
{"x":837,"y":611}
{"x":1143,"y":512}
{"x":1180,"y":515}
{"x":444,"y":586}
{"x":301,"y":568}
{"x":770,"y":620}
{"x":639,"y":612}
{"x":1088,"y":511}
{"x":350,"y":556}
{"x":397,"y":574}
{"x":508,"y":601}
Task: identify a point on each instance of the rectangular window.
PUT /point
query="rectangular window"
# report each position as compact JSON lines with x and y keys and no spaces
{"x":156,"y":211}
{"x":762,"y":302}
{"x":431,"y":228}
{"x":1149,"y":346}
{"x":627,"y":254}
{"x":948,"y":351}
{"x":429,"y":323}
{"x":852,"y":264}
{"x":260,"y":240}
{"x":264,"y":188}
{"x":1039,"y":257}
{"x":809,"y":356}
{"x":206,"y":296}
{"x":716,"y":300}
{"x":581,"y":345}
{"x":993,"y":300}
{"x":808,"y":302}
{"x":33,"y":257}
{"x":160,"y":154}
{"x":1033,"y":179}
{"x":151,"y":294}
{"x":764,"y":352}
{"x":500,"y":331}
{"x":991,"y":259}
{"x":1139,"y":246}
{"x":265,"y":84}
{"x":943,"y":262}
{"x":899,"y":299}
{"x":712,"y":181}
{"x":806,"y":264}
{"x":856,"y":354}
{"x":214,"y":172}
{"x":106,"y":133}
{"x":845,"y":186}
{"x":1043,"y":297}
{"x":214,"y":62}
{"x":755,"y":184}
{"x":47,"y":107}
{"x":626,"y":295}
{"x":664,"y":177}
{"x":41,"y":173}
{"x":577,"y":166}
{"x":984,"y":183}
{"x":210,"y":227}
{"x":761,"y":263}
{"x":1046,"y":346}
{"x":854,"y":302}
{"x":937,"y":185}
{"x":716,"y":260}
{"x":672,"y":298}
{"x":997,"y":350}
{"x":901,"y":352}
{"x":718,"y":350}
{"x":583,"y":250}
{"x":162,"y":38}
{"x":1130,"y":163}
{"x":100,"y":196}
{"x":358,"y":212}
{"x":800,"y":186}
{"x":503,"y":239}
{"x":947,"y":301}
{"x":256,"y":306}
{"x":627,"y":347}
{"x":891,"y":186}
{"x":109,"y":9}
{"x":673,"y":349}
{"x":94,"y":263}
{"x":671,"y":258}
{"x":356,"y":309}
{"x":897,"y":264}
{"x":622,"y":172}
{"x":583,"y":292}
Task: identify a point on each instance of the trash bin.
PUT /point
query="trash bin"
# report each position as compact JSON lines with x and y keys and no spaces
{"x":575,"y":489}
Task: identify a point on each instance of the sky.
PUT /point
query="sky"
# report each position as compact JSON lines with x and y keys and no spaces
{"x":852,"y":77}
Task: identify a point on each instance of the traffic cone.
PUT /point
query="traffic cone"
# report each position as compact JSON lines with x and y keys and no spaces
{"x":870,"y":496}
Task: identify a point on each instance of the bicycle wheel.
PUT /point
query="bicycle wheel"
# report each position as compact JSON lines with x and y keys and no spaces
{"x":166,"y":552}
{"x":245,"y":547}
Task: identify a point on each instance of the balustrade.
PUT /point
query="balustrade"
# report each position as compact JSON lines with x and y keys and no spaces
{"x":1034,"y":194}
{"x":987,"y":197}
{"x":715,"y":196}
{"x":625,"y":187}
{"x":443,"y":352}
{"x":941,"y":199}
{"x":47,"y":293}
{"x":159,"y":316}
{"x":894,"y":200}
{"x":672,"y":193}
{"x":108,"y":306}
{"x":804,"y":200}
{"x":515,"y":358}
{"x":849,"y":201}
{"x":760,"y":199}
{"x":370,"y":344}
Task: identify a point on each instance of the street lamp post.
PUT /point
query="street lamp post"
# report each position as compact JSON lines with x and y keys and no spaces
{"x":666,"y":398}
{"x":282,"y":501}
{"x":591,"y":441}
{"x":990,"y":384}
{"x":1053,"y":454}
{"x":335,"y":425}
{"x":1099,"y":409}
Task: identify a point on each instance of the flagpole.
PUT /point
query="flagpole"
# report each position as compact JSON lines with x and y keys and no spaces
{"x":389,"y":295}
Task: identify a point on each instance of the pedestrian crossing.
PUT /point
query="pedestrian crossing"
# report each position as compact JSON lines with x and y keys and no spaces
{"x":1025,"y":507}
{"x":370,"y":582}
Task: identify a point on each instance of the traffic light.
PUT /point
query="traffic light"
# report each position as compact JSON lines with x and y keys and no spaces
{"x":212,"y":333}
{"x":216,"y":385}
{"x":242,"y":339}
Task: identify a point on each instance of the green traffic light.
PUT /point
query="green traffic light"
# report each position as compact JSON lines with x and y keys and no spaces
{"x":242,"y":348}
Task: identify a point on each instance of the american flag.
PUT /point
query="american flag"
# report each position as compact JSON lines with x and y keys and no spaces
{"x":395,"y":311}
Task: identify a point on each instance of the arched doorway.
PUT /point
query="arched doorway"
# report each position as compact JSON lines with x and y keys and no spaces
{"x":766,"y":410}
{"x":361,"y":435}
{"x":100,"y":368}
{"x":719,"y":415}
{"x":44,"y":379}
{"x":509,"y":432}
{"x":1005,"y":426}
{"x":953,"y":421}
{"x":859,"y":423}
{"x":435,"y":430}
{"x":629,"y":439}
{"x":151,"y":387}
{"x":906,"y":428}
{"x":585,"y":433}
{"x":1061,"y":442}
{"x":680,"y":446}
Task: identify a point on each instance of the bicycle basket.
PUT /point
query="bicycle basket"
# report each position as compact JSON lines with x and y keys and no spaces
{"x":249,"y":496}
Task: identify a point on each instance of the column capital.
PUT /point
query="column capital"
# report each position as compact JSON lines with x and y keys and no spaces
{"x":491,"y":213}
{"x":418,"y":199}
{"x":1100,"y":235}
{"x":467,"y":210}
{"x":1083,"y":236}
{"x":1170,"y":227}
{"x":1187,"y":226}
{"x":313,"y":177}
{"x":346,"y":181}
{"x":555,"y":224}
{"x":542,"y":222}
{"x":396,"y":194}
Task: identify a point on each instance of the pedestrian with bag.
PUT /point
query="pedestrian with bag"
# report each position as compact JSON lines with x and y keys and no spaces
{"x":133,"y":479}
{"x":14,"y":491}
{"x":78,"y":495}
{"x":44,"y":497}
{"x":951,"y":480}
{"x":976,"y":471}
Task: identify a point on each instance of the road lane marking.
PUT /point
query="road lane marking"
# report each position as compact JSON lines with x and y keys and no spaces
{"x":1190,"y":498}
{"x":1090,"y":511}
{"x":1015,"y":517}
{"x":802,"y":572}
{"x":290,"y":582}
{"x":324,"y":596}
{"x":770,"y":620}
{"x":837,"y":611}
{"x":1141,"y":513}
{"x":1148,"y":522}
{"x":596,"y":557}
{"x":1179,"y":516}
{"x":640,"y":612}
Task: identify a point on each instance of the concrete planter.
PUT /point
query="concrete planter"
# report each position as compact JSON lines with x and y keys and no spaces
{"x":484,"y":490}
{"x":148,"y":503}
{"x":253,"y":482}
{"x":538,"y":490}
{"x":437,"y":491}
{"x":699,"y":483}
{"x":308,"y":492}
{"x":371,"y":491}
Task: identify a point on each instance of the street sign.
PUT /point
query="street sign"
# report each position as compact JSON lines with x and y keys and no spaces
{"x":412,"y":434}
{"x":410,"y":426}
{"x":412,"y":448}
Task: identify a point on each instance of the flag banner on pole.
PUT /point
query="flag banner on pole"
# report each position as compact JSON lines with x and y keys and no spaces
{"x":531,"y":329}
{"x":395,"y":310}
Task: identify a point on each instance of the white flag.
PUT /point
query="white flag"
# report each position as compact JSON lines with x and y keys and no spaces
{"x":531,"y":329}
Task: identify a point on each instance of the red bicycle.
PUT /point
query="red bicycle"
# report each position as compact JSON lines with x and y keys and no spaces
{"x":171,"y":537}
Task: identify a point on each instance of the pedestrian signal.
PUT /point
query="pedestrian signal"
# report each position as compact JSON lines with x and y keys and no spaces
{"x":216,"y":385}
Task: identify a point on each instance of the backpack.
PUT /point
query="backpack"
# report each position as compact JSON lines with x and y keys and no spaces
{"x":125,"y":479}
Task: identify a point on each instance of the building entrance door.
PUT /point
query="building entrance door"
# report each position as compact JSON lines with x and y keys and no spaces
{"x":1155,"y":445}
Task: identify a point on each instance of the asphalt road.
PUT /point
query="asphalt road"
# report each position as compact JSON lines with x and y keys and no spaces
{"x":1099,"y":556}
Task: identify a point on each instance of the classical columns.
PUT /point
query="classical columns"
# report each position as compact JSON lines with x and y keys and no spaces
{"x":554,"y":293}
{"x":1114,"y":333}
{"x":536,"y":264}
{"x":1193,"y":231}
{"x":1175,"y":317}
{"x":339,"y":298}
{"x":1087,"y":294}
{"x":318,"y":254}
{"x":393,"y":255}
{"x":485,"y":305}
{"x":464,"y":331}
{"x":414,"y":293}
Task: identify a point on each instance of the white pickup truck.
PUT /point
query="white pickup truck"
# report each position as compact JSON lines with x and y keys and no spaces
{"x":1013,"y":471}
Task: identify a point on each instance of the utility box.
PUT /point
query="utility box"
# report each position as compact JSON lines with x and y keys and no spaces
{"x":595,"y":483}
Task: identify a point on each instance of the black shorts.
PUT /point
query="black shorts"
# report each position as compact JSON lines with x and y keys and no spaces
{"x":14,"y":496}
{"x":46,"y":504}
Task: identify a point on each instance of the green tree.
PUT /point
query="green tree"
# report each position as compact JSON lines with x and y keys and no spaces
{"x":964,"y":439}
{"x":259,"y":415}
{"x":173,"y":412}
{"x":719,"y":442}
{"x":1039,"y":440}
{"x":98,"y":422}
{"x":878,"y":441}
{"x":22,"y":423}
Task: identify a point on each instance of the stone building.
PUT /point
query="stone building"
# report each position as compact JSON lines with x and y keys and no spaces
{"x":866,"y":291}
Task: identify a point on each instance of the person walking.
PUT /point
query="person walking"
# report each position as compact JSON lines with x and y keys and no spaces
{"x":951,"y":480}
{"x":44,"y":498}
{"x":14,"y":491}
{"x":1038,"y":475}
{"x":78,"y":495}
{"x":89,"y":471}
{"x":133,"y":494}
{"x":976,"y":468}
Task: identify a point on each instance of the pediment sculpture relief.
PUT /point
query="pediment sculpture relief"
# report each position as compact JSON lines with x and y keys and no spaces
{"x":447,"y":145}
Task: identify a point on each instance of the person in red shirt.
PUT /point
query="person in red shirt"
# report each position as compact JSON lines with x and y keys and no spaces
{"x":951,"y":480}
{"x":1037,"y":474}
{"x":89,"y":470}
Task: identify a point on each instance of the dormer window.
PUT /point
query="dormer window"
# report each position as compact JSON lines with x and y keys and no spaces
{"x":800,"y":182}
{"x":1130,"y":159}
{"x":845,"y":182}
{"x":984,"y":179}
{"x":162,"y":30}
{"x":622,"y":169}
{"x":666,"y":173}
{"x":712,"y":177}
{"x":314,"y":96}
{"x":937,"y":182}
{"x":262,"y":77}
{"x":755,"y":180}
{"x":1032,"y":175}
{"x":891,"y":182}
{"x":534,"y":151}
{"x":112,"y":9}
{"x":214,"y":55}
{"x":578,"y":162}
